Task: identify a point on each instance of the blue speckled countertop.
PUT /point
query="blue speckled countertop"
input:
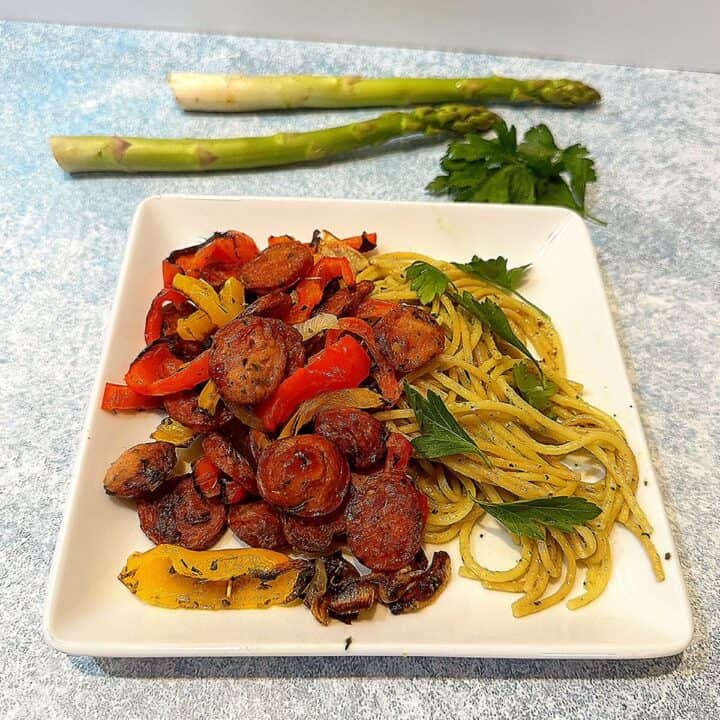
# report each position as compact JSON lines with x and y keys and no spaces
{"x":656,"y":138}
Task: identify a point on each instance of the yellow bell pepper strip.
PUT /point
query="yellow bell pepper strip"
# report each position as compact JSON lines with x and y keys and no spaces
{"x":173,"y":577}
{"x":203,"y":295}
{"x":196,"y":326}
{"x":199,"y":324}
{"x":209,"y":397}
{"x":232,"y":297}
{"x":172,"y":431}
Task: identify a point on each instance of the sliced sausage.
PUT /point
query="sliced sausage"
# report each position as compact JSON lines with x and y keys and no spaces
{"x":275,"y":305}
{"x":247,"y":360}
{"x":140,"y":470}
{"x":224,"y":455}
{"x":409,"y":337}
{"x":306,"y":475}
{"x":278,"y":267}
{"x":384,"y":522}
{"x":346,"y":300}
{"x":258,"y":524}
{"x":357,"y":433}
{"x":183,"y":407}
{"x":313,"y":535}
{"x":179,"y":515}
{"x":293,"y":342}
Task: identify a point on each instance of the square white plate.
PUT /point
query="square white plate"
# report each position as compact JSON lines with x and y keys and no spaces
{"x":89,"y":612}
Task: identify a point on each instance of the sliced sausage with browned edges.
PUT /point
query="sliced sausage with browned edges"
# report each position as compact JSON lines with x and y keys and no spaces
{"x":140,"y":470}
{"x":248,"y":359}
{"x":409,"y":337}
{"x":225,"y":456}
{"x":183,"y":407}
{"x":357,"y":433}
{"x":178,"y":514}
{"x":385,"y":521}
{"x":305,"y":475}
{"x":278,"y":267}
{"x":313,"y":535}
{"x":258,"y":524}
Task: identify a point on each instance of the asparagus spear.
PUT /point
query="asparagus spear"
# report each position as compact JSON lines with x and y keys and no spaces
{"x":107,"y":153}
{"x":243,"y":93}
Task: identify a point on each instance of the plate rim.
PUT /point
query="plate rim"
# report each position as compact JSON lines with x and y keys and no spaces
{"x":287,"y":649}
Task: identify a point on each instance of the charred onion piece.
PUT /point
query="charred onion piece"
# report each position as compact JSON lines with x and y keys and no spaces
{"x":424,"y":589}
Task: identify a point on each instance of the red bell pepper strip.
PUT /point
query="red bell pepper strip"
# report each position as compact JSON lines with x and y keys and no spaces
{"x":399,"y":452}
{"x":231,"y":248}
{"x":363,"y":243}
{"x":309,"y":291}
{"x":158,"y":371}
{"x":206,"y":476}
{"x":120,"y":397}
{"x":344,"y":364}
{"x":154,"y":319}
{"x":169,"y":271}
{"x":383,"y":373}
{"x":375,"y":308}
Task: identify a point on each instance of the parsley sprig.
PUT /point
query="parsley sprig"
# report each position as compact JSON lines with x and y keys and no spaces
{"x":430,"y":282}
{"x":442,"y":434}
{"x":529,"y":517}
{"x":427,"y":281}
{"x":496,"y":272}
{"x":535,"y":390}
{"x":533,"y":172}
{"x":493,"y":316}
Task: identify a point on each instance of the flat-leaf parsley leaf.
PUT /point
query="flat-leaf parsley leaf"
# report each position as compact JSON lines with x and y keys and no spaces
{"x":499,"y":170}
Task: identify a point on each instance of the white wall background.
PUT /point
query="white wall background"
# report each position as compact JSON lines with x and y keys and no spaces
{"x":660,"y":33}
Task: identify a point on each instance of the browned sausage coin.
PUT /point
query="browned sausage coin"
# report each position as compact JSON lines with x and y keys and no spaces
{"x":183,"y":407}
{"x":278,"y":267}
{"x":313,"y":535}
{"x":140,"y":470}
{"x":409,"y":337}
{"x":258,"y":524}
{"x":225,"y":456}
{"x":384,"y":521}
{"x":275,"y":304}
{"x":345,"y":301}
{"x":179,"y":515}
{"x":306,"y":475}
{"x":293,"y":343}
{"x":357,"y":433}
{"x":247,"y":360}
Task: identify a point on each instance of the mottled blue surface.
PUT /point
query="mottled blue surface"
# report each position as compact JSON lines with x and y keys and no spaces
{"x":656,"y":138}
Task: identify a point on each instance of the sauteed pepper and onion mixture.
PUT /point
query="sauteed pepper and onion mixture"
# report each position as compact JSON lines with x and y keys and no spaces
{"x":268,"y":366}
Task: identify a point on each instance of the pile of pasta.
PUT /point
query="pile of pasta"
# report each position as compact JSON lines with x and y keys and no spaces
{"x":531,"y":452}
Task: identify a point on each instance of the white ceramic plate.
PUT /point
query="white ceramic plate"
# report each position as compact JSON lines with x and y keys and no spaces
{"x":89,"y":612}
